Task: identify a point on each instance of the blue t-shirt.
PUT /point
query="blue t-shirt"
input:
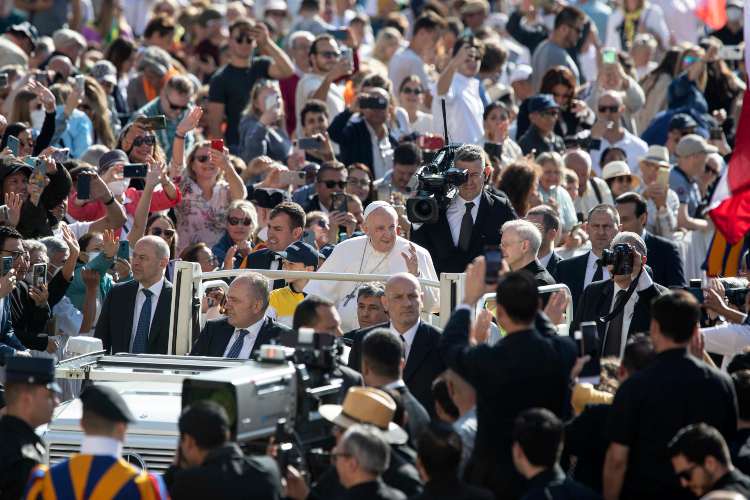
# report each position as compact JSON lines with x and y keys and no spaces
{"x":687,"y":190}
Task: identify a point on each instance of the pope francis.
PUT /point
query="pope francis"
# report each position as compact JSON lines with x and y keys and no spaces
{"x":380,"y":251}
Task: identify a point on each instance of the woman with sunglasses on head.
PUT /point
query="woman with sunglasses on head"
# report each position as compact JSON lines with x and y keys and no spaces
{"x":262,"y":129}
{"x":411,"y":99}
{"x":237,"y":241}
{"x":209,"y":184}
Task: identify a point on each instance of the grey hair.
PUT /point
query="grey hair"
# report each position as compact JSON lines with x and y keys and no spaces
{"x":65,"y":37}
{"x":371,"y":290}
{"x":160,"y":246}
{"x":526,"y":231}
{"x":605,"y":207}
{"x":469,"y":152}
{"x":578,"y":153}
{"x":614,"y":94}
{"x":31,"y":245}
{"x":366,"y":444}
{"x":632,"y":238}
{"x":258,"y":286}
{"x":55,"y":245}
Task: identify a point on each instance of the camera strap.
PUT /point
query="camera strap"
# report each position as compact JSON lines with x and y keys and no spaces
{"x":620,"y":304}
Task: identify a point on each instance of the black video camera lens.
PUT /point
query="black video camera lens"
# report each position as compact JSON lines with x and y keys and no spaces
{"x":620,"y":258}
{"x":268,"y":198}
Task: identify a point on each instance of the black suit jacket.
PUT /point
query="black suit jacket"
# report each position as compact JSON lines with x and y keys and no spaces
{"x":216,"y":333}
{"x":115,"y":325}
{"x":552,"y":263}
{"x":353,"y":139}
{"x":572,"y":272}
{"x":493,"y":212}
{"x":541,"y":275}
{"x":597,"y":302}
{"x":422,"y":366}
{"x":262,"y":259}
{"x":665,"y":260}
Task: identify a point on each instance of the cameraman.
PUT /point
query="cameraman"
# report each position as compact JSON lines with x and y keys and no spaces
{"x":733,"y":335}
{"x":471,"y":221}
{"x":209,"y":465}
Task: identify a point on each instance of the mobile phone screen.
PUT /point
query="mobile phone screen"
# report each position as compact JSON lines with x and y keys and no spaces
{"x":14,"y":144}
{"x":493,"y":259}
{"x":123,"y":250}
{"x":83,"y":187}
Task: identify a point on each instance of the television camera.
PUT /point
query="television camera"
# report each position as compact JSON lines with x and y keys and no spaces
{"x":437,"y":183}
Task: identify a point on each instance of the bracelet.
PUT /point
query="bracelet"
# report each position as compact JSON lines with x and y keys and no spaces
{"x":178,"y":136}
{"x":111,"y":200}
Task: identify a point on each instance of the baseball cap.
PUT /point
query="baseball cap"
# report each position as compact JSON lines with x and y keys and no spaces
{"x":692,"y":144}
{"x":541,"y":102}
{"x":104,"y":71}
{"x":111,"y":158}
{"x":276,"y":5}
{"x":682,"y":121}
{"x":301,"y":252}
{"x":27,"y":29}
{"x":521,"y":72}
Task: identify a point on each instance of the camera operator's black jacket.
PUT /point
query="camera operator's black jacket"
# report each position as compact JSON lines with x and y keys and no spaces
{"x":227,"y":474}
{"x":494,"y":211}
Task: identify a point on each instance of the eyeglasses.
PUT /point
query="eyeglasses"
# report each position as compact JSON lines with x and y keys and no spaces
{"x":333,"y":184}
{"x":148,"y":140}
{"x":609,"y":109}
{"x":322,"y":224}
{"x":409,"y":90}
{"x":15,"y":253}
{"x":235,"y":221}
{"x":244,"y":38}
{"x":157,"y":231}
{"x":202,"y":158}
{"x":177,"y":107}
{"x":330,"y":54}
{"x":358,"y":182}
{"x":686,"y":474}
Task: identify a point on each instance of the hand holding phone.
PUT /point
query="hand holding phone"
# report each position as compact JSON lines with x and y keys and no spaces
{"x":14,"y":144}
{"x":493,"y":260}
{"x":83,"y":186}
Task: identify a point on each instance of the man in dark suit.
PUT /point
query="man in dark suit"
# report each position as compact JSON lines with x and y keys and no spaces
{"x":525,"y":369}
{"x":472,"y":220}
{"x":603,"y":297}
{"x":547,"y":220}
{"x":664,"y":257}
{"x":383,"y":367}
{"x":403,"y":300}
{"x":245,"y":327}
{"x":520,"y":243}
{"x":354,"y":137}
{"x":135,"y":314}
{"x":578,"y":272}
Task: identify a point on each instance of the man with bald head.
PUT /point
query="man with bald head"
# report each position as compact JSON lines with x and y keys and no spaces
{"x":608,"y":132}
{"x":245,"y":327}
{"x":379,"y":251}
{"x":592,"y":191}
{"x":403,"y":299}
{"x":135,"y":314}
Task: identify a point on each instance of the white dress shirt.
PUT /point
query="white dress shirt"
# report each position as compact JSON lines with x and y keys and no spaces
{"x":545,"y":260}
{"x":455,"y":214}
{"x":140,"y":298}
{"x":408,"y":337}
{"x":463,"y":108}
{"x":101,"y":445}
{"x":634,"y":148}
{"x":644,"y":282}
{"x":382,"y":152}
{"x":591,"y":269}
{"x":727,"y":339}
{"x":248,"y":342}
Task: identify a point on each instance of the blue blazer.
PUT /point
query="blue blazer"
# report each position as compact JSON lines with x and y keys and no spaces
{"x":9,"y":343}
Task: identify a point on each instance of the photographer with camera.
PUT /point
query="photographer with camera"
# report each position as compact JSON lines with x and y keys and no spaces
{"x":208,"y":464}
{"x":620,"y":306}
{"x":471,"y":221}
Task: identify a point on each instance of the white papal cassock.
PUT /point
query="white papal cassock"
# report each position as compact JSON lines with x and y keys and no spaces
{"x":357,"y":256}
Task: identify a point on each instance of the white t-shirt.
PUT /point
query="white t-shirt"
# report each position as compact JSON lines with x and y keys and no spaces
{"x":306,"y":88}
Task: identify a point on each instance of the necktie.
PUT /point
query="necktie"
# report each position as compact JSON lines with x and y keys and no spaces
{"x":144,"y":322}
{"x":614,"y":330}
{"x":234,"y":351}
{"x":599,"y":273}
{"x":464,"y":237}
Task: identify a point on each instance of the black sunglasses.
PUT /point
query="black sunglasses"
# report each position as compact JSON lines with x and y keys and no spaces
{"x":235,"y":221}
{"x":149,"y":140}
{"x":202,"y":158}
{"x":157,"y":231}
{"x":609,"y":109}
{"x":333,"y":184}
{"x":244,"y":38}
{"x":408,"y":90}
{"x":177,"y":107}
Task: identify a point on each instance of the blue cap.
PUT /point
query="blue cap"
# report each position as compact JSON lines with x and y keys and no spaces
{"x":541,"y":102}
{"x":35,"y":371}
{"x":301,"y":252}
{"x":682,"y":121}
{"x":327,"y":250}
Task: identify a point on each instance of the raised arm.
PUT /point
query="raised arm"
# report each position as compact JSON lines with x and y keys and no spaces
{"x":282,"y":66}
{"x":187,"y":125}
{"x":237,"y":189}
{"x":116,"y":216}
{"x":155,"y":171}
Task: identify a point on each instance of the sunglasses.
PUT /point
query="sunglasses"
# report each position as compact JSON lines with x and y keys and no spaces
{"x":202,"y":158}
{"x":177,"y":107}
{"x":235,"y":221}
{"x":244,"y":38}
{"x":330,"y":54}
{"x":333,"y":184}
{"x":157,"y":231}
{"x":409,"y":90}
{"x":322,"y":224}
{"x":623,"y":178}
{"x":148,"y":140}
{"x":609,"y":109}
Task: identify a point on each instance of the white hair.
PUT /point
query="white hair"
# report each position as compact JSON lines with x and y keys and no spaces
{"x":526,"y":231}
{"x":578,"y":153}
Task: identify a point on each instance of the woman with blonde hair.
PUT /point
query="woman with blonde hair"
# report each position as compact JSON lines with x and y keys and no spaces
{"x":387,"y":43}
{"x":262,"y":130}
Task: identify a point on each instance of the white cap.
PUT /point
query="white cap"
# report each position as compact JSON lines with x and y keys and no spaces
{"x":521,"y":72}
{"x":376,"y":205}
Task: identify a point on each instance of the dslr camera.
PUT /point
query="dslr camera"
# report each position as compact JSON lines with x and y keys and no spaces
{"x":620,"y":258}
{"x":437,"y":183}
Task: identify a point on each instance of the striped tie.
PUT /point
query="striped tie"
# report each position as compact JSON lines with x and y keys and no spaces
{"x":234,"y":351}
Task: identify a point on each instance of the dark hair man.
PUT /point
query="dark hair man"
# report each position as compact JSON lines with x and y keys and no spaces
{"x":547,"y":220}
{"x":529,"y":369}
{"x":569,"y":25}
{"x":370,"y":310}
{"x":701,"y":462}
{"x":210,"y":465}
{"x":679,"y":389}
{"x":537,"y":444}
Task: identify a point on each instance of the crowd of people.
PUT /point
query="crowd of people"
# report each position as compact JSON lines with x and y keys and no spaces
{"x":587,"y":137}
